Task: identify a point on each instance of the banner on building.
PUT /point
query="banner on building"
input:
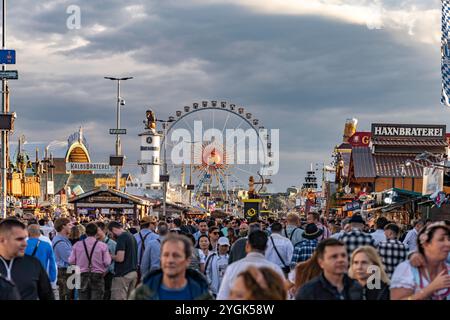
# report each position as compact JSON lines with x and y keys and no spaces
{"x":445,"y":53}
{"x":433,"y":180}
{"x":110,"y":182}
{"x":252,"y":209}
{"x":352,"y":206}
{"x":50,"y":187}
{"x":77,"y":190}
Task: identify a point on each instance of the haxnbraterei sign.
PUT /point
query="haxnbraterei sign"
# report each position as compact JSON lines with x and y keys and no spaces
{"x":408,"y":130}
{"x":83,"y":166}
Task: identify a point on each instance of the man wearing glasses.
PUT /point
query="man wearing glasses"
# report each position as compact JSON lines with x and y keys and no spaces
{"x":214,"y":235}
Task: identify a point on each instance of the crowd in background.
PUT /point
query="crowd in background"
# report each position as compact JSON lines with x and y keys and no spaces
{"x":312,"y":257}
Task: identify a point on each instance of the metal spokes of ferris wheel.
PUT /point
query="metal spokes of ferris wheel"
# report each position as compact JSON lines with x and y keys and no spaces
{"x":215,"y":166}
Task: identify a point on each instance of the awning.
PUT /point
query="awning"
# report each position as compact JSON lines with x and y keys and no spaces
{"x":409,"y":142}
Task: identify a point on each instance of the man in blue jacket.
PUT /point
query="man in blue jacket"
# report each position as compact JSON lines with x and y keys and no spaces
{"x":174,"y":281}
{"x":42,"y":251}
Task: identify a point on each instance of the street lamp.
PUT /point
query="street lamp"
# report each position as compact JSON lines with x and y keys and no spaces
{"x":190,"y":186}
{"x":165,"y":178}
{"x":120,"y":102}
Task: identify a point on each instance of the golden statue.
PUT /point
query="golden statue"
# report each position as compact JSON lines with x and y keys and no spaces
{"x":251,"y":187}
{"x":151,"y":120}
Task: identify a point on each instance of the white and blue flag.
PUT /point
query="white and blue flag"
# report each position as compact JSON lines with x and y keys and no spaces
{"x":445,"y":52}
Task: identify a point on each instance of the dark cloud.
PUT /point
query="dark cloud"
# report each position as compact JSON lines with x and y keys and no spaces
{"x":302,"y":74}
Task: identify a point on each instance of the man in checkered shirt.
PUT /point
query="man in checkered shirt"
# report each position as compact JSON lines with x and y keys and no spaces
{"x":392,"y":251}
{"x":356,"y":238}
{"x":305,"y":248}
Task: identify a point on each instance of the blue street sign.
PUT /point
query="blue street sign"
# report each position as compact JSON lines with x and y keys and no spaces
{"x":8,"y":56}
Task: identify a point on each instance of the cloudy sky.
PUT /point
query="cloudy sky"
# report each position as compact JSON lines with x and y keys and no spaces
{"x":301,"y":66}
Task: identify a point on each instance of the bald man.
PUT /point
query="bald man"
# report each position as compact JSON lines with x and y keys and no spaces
{"x":41,"y":250}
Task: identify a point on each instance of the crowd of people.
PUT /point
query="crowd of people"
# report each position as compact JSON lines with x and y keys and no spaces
{"x":310,"y":258}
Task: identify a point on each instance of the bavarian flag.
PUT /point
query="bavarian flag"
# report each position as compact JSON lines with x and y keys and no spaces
{"x":445,"y":53}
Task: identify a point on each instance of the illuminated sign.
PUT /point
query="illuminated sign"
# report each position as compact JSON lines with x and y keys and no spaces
{"x":360,"y":139}
{"x":400,"y":130}
{"x":110,"y":182}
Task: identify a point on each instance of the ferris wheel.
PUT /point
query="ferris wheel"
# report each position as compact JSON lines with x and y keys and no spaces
{"x":211,"y":149}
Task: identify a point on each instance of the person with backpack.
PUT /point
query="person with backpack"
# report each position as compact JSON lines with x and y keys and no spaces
{"x":143,"y":238}
{"x":279,"y":249}
{"x":292,"y":231}
{"x":151,"y":259}
{"x":42,"y":251}
{"x":305,"y":248}
{"x":93,"y":258}
{"x":216,"y":264}
{"x":62,"y":247}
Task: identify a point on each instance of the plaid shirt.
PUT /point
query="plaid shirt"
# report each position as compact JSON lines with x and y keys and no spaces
{"x":355,"y":239}
{"x":392,"y":252}
{"x":303,"y":251}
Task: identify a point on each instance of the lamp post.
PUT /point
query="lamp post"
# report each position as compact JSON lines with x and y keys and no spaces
{"x":166,"y":176}
{"x":192,"y":143}
{"x":4,"y":134}
{"x":120,"y":102}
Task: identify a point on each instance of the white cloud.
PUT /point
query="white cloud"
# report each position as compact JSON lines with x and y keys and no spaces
{"x":421,"y":22}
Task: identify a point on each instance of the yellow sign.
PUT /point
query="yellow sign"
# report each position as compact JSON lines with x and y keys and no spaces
{"x":110,"y":182}
{"x":251,"y":212}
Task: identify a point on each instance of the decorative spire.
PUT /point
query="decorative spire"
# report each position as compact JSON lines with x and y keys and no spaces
{"x":80,"y":135}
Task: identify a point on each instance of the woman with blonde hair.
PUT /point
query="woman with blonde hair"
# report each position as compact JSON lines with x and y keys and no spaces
{"x":364,"y":263}
{"x":258,"y":284}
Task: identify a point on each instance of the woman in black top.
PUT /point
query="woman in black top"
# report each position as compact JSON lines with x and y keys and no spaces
{"x":366,"y":267}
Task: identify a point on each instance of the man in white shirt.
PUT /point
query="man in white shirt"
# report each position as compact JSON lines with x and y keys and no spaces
{"x":379,"y":235}
{"x":279,"y":249}
{"x":256,"y":247}
{"x":410,"y":240}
